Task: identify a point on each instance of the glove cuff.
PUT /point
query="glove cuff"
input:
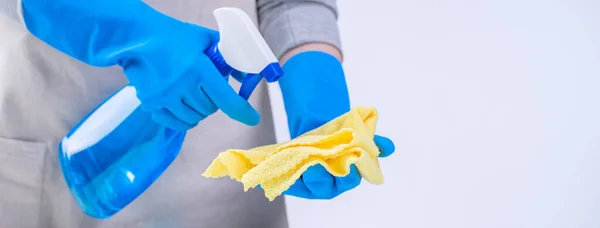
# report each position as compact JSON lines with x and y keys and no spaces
{"x":314,"y":90}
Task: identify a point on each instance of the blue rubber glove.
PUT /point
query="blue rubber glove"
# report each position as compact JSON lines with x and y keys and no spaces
{"x":315,"y":92}
{"x":162,"y":57}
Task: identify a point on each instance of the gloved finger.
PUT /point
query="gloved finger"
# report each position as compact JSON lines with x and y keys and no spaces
{"x":386,"y":146}
{"x":238,"y":75}
{"x":213,"y":35}
{"x":299,"y":189}
{"x":200,"y":102}
{"x":232,"y":104}
{"x":185,"y":113}
{"x":223,"y":95}
{"x":320,"y":182}
{"x":166,"y":118}
{"x":349,"y":181}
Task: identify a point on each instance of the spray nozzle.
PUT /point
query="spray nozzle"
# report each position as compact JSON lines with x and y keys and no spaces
{"x":271,"y":72}
{"x":242,"y":48}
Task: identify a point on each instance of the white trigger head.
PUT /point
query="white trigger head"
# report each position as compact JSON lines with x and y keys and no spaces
{"x":241,"y":44}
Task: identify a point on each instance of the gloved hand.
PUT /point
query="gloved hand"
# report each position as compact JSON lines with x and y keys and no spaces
{"x":163,"y":58}
{"x":315,"y":92}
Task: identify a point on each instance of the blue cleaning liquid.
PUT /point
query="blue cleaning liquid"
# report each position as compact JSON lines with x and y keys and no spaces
{"x":111,"y":174}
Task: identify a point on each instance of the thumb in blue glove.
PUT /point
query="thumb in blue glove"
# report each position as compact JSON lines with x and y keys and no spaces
{"x":163,"y":58}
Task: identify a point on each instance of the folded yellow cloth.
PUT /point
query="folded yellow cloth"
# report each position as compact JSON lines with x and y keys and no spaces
{"x":336,"y":145}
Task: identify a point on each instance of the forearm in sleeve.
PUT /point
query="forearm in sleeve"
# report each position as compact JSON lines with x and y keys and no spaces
{"x":287,"y":24}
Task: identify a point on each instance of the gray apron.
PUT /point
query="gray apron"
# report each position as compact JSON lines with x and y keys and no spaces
{"x":44,"y":93}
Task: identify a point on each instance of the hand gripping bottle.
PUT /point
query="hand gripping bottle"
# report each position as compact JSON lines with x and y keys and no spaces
{"x":114,"y":154}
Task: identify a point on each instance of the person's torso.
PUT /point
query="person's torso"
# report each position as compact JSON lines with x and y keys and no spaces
{"x":44,"y":93}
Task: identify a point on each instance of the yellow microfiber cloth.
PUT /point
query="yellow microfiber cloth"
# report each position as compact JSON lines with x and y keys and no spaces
{"x":336,"y":145}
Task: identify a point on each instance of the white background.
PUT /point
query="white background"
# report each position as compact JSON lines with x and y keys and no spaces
{"x":494,"y":107}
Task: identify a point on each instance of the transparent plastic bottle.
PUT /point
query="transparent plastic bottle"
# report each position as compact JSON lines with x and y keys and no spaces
{"x":115,"y":153}
{"x":109,"y":175}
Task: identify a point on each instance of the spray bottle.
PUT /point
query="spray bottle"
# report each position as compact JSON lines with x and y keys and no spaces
{"x":115,"y":153}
